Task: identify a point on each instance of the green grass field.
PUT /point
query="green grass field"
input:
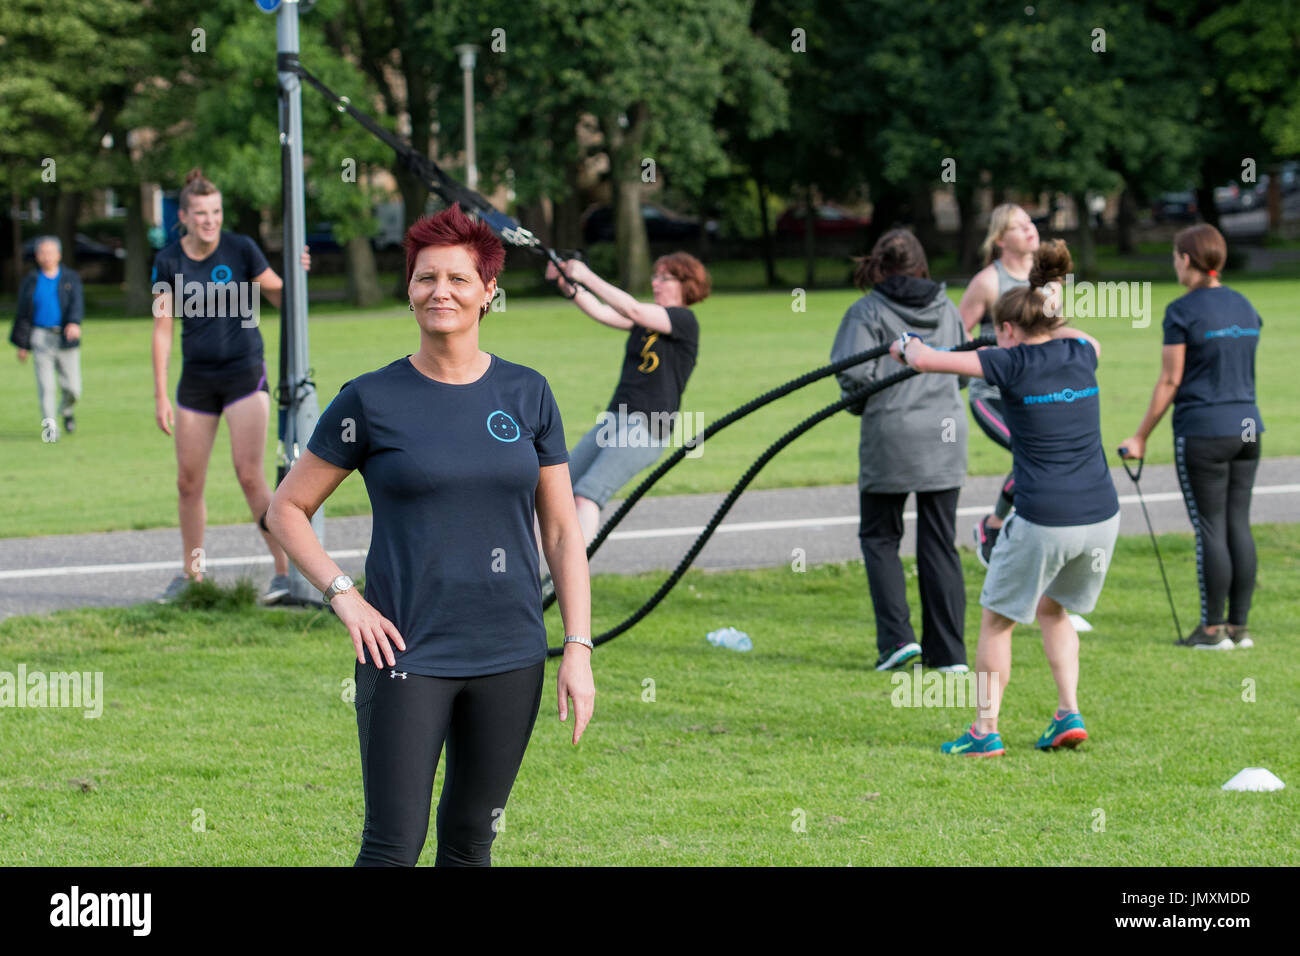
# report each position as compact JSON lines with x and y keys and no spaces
{"x":119,"y":471}
{"x":234,"y":717}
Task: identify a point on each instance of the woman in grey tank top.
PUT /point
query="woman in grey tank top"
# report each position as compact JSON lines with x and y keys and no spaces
{"x":1008,"y":251}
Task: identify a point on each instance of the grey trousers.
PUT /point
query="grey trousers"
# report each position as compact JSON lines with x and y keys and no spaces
{"x":55,"y":367}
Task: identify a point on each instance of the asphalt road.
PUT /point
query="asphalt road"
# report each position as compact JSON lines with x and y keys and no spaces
{"x":764,"y":529}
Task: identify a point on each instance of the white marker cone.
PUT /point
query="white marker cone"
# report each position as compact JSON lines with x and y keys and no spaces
{"x":1254,"y":778}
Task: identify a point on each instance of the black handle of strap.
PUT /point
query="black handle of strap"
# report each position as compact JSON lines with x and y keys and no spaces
{"x":1124,"y":459}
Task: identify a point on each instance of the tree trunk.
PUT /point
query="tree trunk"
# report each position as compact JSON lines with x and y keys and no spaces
{"x":139,"y":300}
{"x":414,"y":193}
{"x":245,"y":218}
{"x":1124,"y":222}
{"x":769,"y":257}
{"x":64,"y":215}
{"x":810,"y":237}
{"x":15,"y":242}
{"x":633,"y":245}
{"x":363,"y":276}
{"x":967,"y":253}
{"x":1275,"y":201}
{"x":1085,"y":255}
{"x":1205,"y":195}
{"x":922,"y":203}
{"x":566,"y":213}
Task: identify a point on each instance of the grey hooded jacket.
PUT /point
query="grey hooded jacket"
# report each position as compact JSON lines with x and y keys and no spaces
{"x":914,"y":434}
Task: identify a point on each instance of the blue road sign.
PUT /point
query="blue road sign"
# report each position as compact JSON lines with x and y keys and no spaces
{"x":268,"y":6}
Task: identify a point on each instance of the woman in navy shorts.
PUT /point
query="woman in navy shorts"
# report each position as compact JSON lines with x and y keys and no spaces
{"x":210,"y":280}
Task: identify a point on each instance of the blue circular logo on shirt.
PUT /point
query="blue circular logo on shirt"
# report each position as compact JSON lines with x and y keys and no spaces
{"x":502,"y":427}
{"x":221,"y":273}
{"x":1067,"y":394}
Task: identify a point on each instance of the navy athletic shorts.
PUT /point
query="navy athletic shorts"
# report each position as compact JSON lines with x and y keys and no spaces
{"x":208,"y":393}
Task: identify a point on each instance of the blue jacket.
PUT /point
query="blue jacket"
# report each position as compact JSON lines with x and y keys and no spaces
{"x":72,"y":305}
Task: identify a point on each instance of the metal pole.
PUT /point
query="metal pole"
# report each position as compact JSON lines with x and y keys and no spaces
{"x":296,"y":426}
{"x":467,"y":53}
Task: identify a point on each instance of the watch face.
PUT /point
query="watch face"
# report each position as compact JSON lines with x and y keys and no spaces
{"x":341,"y":583}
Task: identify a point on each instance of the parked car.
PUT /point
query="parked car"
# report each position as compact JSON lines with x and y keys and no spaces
{"x":87,"y":249}
{"x":1289,"y":177}
{"x":1231,"y":197}
{"x":320,"y":237}
{"x":830,"y":221}
{"x":1175,"y":207}
{"x":661,"y":224}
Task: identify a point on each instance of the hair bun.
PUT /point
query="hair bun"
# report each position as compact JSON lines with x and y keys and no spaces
{"x":193,"y":175}
{"x":1052,"y":263}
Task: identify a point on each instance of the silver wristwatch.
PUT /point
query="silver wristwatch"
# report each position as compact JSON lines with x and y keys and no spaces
{"x":337,"y":586}
{"x":578,"y":639}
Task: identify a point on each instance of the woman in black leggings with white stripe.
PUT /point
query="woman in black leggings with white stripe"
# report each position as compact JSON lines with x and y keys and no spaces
{"x":1208,"y":374}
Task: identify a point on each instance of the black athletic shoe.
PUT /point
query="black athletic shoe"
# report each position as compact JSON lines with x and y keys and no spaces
{"x":69,"y":424}
{"x":1202,"y":640}
{"x":985,"y":538}
{"x":898,"y":656}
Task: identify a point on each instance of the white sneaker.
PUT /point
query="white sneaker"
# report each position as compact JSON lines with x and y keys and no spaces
{"x":954,"y":669}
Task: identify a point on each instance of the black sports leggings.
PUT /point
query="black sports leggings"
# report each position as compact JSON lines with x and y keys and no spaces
{"x":988,"y":414}
{"x":1217,"y":476}
{"x":403,"y":720}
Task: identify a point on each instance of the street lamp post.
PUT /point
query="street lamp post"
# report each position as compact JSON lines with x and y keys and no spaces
{"x":468,"y":53}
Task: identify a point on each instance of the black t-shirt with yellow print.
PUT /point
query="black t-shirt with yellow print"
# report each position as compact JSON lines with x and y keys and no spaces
{"x":656,"y":366}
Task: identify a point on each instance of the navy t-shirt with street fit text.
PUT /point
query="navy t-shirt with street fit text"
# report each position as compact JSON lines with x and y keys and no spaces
{"x":1221,"y":331}
{"x":452,"y":472}
{"x":215,"y":303}
{"x":1050,"y":403}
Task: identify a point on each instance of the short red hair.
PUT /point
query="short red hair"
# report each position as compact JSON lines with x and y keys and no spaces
{"x":451,"y":227}
{"x":690,"y":272}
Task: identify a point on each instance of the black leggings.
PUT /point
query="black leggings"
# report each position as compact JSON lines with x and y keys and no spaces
{"x":1217,"y":476}
{"x":403,"y":720}
{"x":988,"y":414}
{"x":938,"y":570}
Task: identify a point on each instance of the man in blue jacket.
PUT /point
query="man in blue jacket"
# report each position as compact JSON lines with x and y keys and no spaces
{"x":48,"y":325}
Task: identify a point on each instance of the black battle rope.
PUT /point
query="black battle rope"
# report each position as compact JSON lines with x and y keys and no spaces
{"x":853,"y":397}
{"x":432,"y":175}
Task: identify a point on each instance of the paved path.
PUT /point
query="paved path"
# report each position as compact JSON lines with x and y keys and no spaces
{"x":762,"y":530}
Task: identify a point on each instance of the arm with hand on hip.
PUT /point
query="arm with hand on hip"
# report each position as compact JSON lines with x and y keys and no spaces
{"x":304,"y":489}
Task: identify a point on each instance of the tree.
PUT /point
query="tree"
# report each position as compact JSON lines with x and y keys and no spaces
{"x":53,"y":66}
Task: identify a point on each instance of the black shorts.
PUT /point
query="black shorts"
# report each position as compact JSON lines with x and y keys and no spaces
{"x":209,"y":393}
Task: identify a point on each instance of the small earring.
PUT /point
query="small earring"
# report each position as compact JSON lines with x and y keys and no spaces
{"x":410,"y":306}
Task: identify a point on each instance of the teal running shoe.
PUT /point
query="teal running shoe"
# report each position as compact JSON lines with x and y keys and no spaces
{"x":1064,"y":731}
{"x":968,"y":745}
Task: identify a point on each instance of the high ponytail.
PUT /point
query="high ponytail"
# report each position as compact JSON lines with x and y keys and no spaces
{"x":195,"y":185}
{"x":1052,"y":263}
{"x":1028,"y":308}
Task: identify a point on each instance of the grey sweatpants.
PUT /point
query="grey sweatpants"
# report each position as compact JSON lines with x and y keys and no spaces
{"x":56,"y":367}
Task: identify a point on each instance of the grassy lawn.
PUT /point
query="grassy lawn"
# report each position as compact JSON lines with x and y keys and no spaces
{"x":118,"y":471}
{"x":234,"y":716}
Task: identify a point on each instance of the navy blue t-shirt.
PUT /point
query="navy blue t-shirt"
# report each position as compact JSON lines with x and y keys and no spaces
{"x":452,"y":472}
{"x":215,"y":303}
{"x":1050,"y":403}
{"x":1221,"y":331}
